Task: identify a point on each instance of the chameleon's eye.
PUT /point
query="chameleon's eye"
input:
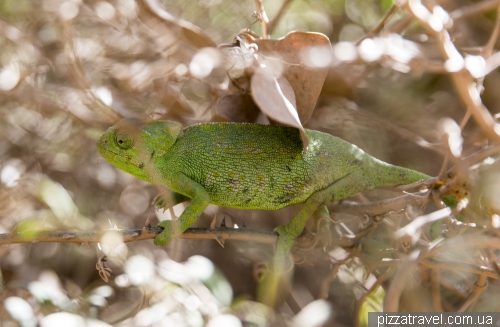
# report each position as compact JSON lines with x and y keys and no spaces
{"x":124,"y":140}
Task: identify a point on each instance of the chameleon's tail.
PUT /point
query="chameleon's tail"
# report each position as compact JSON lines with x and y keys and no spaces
{"x":384,"y":174}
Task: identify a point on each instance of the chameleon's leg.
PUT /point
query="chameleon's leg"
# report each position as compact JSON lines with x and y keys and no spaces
{"x":341,"y":189}
{"x":200,"y":200}
{"x":168,"y":199}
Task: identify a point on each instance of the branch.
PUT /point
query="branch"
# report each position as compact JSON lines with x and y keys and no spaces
{"x":460,"y":77}
{"x":379,"y":207}
{"x":377,"y":28}
{"x":132,"y":235}
{"x":272,"y":24}
{"x":471,"y":10}
{"x":263,"y":18}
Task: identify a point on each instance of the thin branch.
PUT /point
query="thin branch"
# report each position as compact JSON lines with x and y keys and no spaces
{"x":263,"y":18}
{"x":461,"y":266}
{"x":488,"y":49}
{"x":477,"y":8}
{"x":436,"y":290}
{"x":326,"y":283}
{"x":272,"y":24}
{"x":379,"y":207}
{"x":462,"y":79}
{"x":133,"y":235}
{"x":377,"y":28}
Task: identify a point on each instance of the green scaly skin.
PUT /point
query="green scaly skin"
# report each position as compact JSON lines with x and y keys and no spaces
{"x":245,"y":166}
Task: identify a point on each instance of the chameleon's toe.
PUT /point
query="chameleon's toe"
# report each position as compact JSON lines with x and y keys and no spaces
{"x":166,"y":235}
{"x":162,"y":201}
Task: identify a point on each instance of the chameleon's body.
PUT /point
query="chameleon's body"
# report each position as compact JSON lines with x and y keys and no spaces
{"x":245,"y":166}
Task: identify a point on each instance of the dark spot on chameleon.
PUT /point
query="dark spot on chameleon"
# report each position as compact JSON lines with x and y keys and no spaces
{"x":354,"y":162}
{"x":283,"y":199}
{"x":141,"y":165}
{"x":289,"y":169}
{"x":401,"y":175}
{"x":466,"y":193}
{"x":456,"y":191}
{"x":464,"y":184}
{"x":152,"y":155}
{"x":248,"y":201}
{"x":245,"y":190}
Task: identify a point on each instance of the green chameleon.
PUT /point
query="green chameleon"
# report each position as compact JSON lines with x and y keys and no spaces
{"x":245,"y":166}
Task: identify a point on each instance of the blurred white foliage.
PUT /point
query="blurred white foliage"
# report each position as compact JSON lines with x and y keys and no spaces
{"x":224,"y":320}
{"x":139,"y":269}
{"x":105,"y":10}
{"x":103,"y":94}
{"x":476,"y":65}
{"x":345,"y":51}
{"x":21,"y":311}
{"x":9,"y":77}
{"x":55,"y":196}
{"x":200,"y":267}
{"x":314,"y":314}
{"x":70,"y":319}
{"x":11,"y":172}
{"x":319,"y":56}
{"x":454,"y":134}
{"x":69,"y":9}
{"x":203,"y":62}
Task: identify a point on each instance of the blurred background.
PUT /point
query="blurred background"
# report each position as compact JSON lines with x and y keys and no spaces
{"x":69,"y":69}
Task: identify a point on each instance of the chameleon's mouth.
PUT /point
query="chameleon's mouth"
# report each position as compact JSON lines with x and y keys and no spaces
{"x":108,"y":154}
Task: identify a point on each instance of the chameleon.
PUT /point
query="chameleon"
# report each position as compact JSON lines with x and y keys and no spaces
{"x":245,"y":166}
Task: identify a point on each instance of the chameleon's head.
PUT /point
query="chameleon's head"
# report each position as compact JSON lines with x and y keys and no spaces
{"x":132,"y":145}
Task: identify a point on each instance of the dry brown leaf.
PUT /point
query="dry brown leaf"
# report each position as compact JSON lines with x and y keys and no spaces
{"x":182,"y":29}
{"x":269,"y":94}
{"x":238,"y":108}
{"x":336,"y":85}
{"x":305,"y":80}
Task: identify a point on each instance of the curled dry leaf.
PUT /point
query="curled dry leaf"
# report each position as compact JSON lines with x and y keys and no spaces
{"x":306,"y":58}
{"x":270,"y":94}
{"x":104,"y":270}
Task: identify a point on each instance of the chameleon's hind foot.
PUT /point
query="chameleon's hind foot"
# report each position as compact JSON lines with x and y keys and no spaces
{"x":168,"y":233}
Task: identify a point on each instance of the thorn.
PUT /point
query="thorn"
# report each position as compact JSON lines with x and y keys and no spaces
{"x":220,"y":240}
{"x":223,"y":223}
{"x":243,"y":225}
{"x":147,"y":224}
{"x":212,"y":224}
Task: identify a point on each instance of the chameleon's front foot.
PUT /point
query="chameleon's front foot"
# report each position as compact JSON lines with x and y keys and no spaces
{"x":168,"y":199}
{"x":167,"y":234}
